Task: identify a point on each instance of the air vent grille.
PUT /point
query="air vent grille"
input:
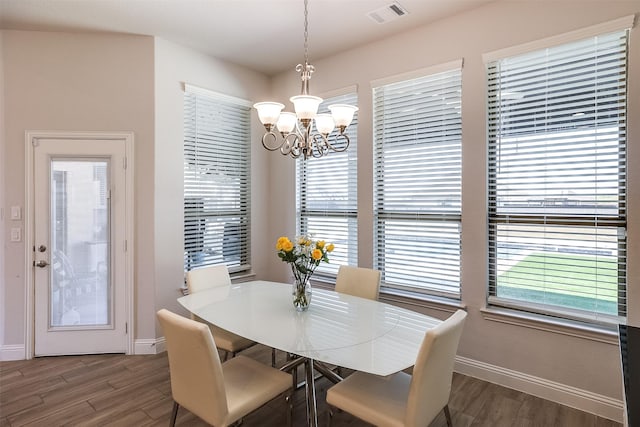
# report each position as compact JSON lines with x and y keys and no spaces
{"x":387,"y":13}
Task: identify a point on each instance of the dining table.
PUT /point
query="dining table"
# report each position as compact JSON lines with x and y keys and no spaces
{"x":337,"y":329}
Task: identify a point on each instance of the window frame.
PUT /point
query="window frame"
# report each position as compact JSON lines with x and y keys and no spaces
{"x":596,"y":221}
{"x":382,"y":216}
{"x":202,"y":146}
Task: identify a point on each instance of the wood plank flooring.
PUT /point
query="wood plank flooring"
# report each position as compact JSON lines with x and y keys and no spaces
{"x":118,"y":390}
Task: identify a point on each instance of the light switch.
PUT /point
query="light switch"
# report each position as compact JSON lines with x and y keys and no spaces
{"x":16,"y":212}
{"x":16,"y":234}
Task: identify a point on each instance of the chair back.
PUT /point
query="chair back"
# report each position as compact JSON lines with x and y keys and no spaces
{"x":197,"y":382}
{"x":358,"y":281}
{"x":208,"y":277}
{"x":432,"y":374}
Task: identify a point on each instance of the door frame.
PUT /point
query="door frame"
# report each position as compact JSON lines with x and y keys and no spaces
{"x":31,"y":139}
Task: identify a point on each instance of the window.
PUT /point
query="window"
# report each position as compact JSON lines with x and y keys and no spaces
{"x":417,"y":211}
{"x":557,"y":179}
{"x":217,"y":184}
{"x":326,"y":196}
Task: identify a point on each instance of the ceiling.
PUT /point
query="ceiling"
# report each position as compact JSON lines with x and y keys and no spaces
{"x":265,"y":35}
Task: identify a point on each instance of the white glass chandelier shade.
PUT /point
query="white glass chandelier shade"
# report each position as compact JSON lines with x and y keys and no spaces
{"x":342,"y":114}
{"x":325,"y":123}
{"x":286,"y":122}
{"x":268,"y":112}
{"x":305,"y":106}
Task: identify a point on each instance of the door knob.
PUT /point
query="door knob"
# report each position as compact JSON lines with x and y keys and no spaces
{"x":42,"y":248}
{"x":42,"y":263}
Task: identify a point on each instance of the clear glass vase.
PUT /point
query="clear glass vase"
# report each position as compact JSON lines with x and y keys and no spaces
{"x":301,"y":293}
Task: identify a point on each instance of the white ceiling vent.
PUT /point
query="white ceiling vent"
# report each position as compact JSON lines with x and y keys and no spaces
{"x":388,"y":13}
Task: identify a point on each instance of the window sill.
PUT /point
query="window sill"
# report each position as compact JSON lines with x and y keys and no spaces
{"x":548,"y":324}
{"x":242,"y":277}
{"x":446,"y":305}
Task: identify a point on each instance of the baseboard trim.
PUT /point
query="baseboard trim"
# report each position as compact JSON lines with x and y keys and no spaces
{"x":11,"y":352}
{"x":149,"y":346}
{"x":143,"y":346}
{"x":583,"y":400}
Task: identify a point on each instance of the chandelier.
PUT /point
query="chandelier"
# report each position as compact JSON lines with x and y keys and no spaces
{"x":296,"y":136}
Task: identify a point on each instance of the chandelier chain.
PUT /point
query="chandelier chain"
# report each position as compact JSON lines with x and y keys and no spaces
{"x":306,"y":32}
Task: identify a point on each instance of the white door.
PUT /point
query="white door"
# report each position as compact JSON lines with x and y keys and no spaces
{"x":79,"y":246}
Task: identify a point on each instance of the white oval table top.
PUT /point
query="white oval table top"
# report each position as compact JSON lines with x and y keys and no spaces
{"x":339,"y":329}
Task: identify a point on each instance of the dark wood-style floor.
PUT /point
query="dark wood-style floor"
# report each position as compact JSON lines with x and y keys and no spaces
{"x":118,"y":390}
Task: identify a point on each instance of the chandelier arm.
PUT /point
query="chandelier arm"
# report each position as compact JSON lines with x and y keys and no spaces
{"x":321,"y":145}
{"x":290,"y":145}
{"x":340,"y":150}
{"x":267,"y":136}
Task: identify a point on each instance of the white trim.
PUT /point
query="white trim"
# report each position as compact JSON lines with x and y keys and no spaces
{"x":219,"y":96}
{"x":549,"y":324}
{"x":29,"y":289}
{"x":574,"y":397}
{"x":149,"y":346}
{"x":130,"y":236}
{"x":11,"y":352}
{"x":619,"y":24}
{"x":422,"y":72}
{"x":339,"y":92}
{"x":128,"y":137}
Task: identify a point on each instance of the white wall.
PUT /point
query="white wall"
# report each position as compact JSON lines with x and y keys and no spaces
{"x":91,"y":82}
{"x":175,"y":65}
{"x":556,"y":358}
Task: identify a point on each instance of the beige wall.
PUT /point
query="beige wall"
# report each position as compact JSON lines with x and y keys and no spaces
{"x":174,"y":66}
{"x":572,"y":361}
{"x":76,"y":82}
{"x":2,"y":184}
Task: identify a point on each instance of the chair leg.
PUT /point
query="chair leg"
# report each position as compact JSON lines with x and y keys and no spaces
{"x":289,"y":403}
{"x":447,"y":415}
{"x":226,"y":356}
{"x":174,"y":414}
{"x":294,"y":376}
{"x":273,"y":357}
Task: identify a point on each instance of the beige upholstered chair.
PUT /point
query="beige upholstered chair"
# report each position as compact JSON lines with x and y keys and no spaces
{"x":203,"y":278}
{"x":358,"y":281}
{"x":402,"y":399}
{"x":219,"y":393}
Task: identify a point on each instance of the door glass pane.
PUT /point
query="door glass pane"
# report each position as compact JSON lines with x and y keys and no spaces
{"x":80,"y":291}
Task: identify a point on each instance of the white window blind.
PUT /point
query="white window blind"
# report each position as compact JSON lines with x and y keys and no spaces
{"x":216,"y":181}
{"x":417,"y":212}
{"x":327,"y":196}
{"x":557,"y":179}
